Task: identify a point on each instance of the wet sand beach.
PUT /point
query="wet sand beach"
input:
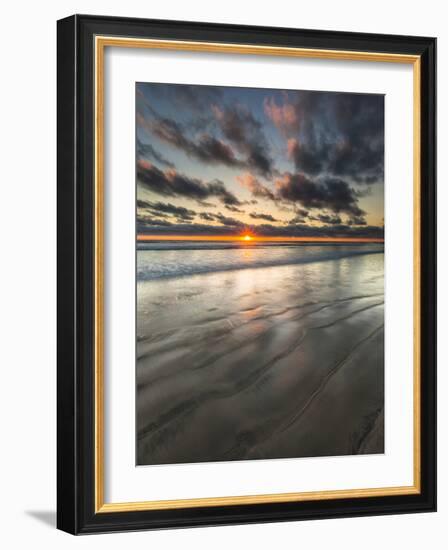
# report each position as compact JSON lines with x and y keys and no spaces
{"x":272,"y":361}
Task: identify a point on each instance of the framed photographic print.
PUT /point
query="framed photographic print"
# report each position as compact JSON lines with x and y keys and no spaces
{"x":246,"y":274}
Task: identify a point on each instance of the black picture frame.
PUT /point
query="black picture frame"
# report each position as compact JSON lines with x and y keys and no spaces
{"x":76,"y":511}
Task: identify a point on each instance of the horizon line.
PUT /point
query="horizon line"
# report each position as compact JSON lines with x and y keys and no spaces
{"x":143,"y":237}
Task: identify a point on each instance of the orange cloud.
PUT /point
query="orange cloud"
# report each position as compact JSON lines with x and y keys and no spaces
{"x":219,"y":114}
{"x":292,"y":145}
{"x":257,"y":189}
{"x":145,"y":164}
{"x":284,"y":117}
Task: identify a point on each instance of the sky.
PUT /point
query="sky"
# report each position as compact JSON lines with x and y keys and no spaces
{"x":215,"y":162}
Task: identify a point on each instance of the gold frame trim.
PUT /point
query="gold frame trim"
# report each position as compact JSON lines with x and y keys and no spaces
{"x":101,"y":42}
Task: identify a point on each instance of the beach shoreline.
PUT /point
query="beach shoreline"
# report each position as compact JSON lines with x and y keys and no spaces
{"x":279,"y":361}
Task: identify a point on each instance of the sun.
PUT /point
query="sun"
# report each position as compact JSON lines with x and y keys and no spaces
{"x":246,"y":238}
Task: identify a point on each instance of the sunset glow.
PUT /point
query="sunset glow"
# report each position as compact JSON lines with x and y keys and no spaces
{"x":211,"y":238}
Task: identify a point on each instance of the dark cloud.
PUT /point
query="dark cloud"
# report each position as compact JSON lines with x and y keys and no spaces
{"x":240,"y":128}
{"x":260,"y":216}
{"x":170,"y":209}
{"x":301,"y":212}
{"x":363,"y":192}
{"x":249,"y":181}
{"x":301,"y":216}
{"x":297,"y":220}
{"x":207,"y":149}
{"x":213,"y":151}
{"x":232,"y":229}
{"x":206,"y":204}
{"x":341,"y":135}
{"x":142,"y":204}
{"x":220,"y":218}
{"x":219,"y":190}
{"x":329,"y":219}
{"x":207,"y":216}
{"x":357,"y":220}
{"x":153,"y":228}
{"x":170,"y":183}
{"x":244,"y":134}
{"x":144,"y":222}
{"x":304,"y":230}
{"x":144,"y":207}
{"x":331,"y":194}
{"x":234,"y":208}
{"x":230,"y":222}
{"x":148,"y":151}
{"x":305,"y":159}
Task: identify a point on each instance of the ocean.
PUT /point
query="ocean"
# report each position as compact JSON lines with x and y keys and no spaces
{"x":161,"y":259}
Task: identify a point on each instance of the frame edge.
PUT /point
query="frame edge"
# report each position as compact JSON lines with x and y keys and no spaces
{"x":67,"y":463}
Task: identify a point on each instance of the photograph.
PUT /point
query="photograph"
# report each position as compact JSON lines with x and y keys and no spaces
{"x":259,"y":273}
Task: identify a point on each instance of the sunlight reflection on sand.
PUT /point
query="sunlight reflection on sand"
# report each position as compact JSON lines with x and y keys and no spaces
{"x":282,"y":361}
